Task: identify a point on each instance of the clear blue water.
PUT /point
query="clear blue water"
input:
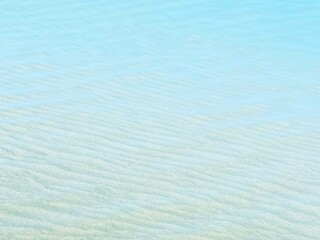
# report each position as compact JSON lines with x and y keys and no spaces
{"x":159,"y":120}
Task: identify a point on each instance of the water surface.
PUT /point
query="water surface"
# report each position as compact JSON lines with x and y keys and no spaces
{"x":164,"y":119}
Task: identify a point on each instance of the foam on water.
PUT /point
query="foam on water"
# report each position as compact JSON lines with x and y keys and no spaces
{"x":159,"y":120}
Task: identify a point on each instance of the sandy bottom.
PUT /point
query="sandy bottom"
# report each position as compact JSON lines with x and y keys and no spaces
{"x":159,"y":120}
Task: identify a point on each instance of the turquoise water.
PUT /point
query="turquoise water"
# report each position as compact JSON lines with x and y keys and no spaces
{"x":159,"y":119}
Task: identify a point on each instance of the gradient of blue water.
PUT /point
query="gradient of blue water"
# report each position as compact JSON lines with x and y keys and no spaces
{"x":230,"y":88}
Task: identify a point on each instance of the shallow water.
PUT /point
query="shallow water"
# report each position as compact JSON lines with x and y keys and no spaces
{"x":159,"y":120}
